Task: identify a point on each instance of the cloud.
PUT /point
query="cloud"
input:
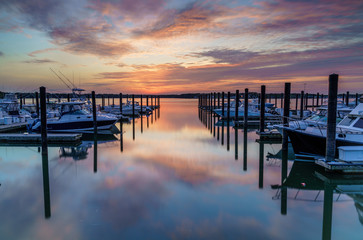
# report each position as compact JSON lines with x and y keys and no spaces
{"x":224,"y":55}
{"x":34,"y":53}
{"x":192,"y":19}
{"x":71,"y":26}
{"x":39,"y":61}
{"x":129,"y":9}
{"x":231,"y":71}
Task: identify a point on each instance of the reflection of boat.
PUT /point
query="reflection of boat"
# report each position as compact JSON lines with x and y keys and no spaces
{"x":77,"y":153}
{"x":278,"y":155}
{"x":74,"y":118}
{"x":312,"y":140}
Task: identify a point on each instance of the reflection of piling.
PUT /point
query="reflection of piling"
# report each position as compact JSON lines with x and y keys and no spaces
{"x":236,"y":143}
{"x":245,"y":117}
{"x":331,"y":125}
{"x":244,"y":148}
{"x":262,"y":109}
{"x":121,"y":137}
{"x":261,"y":165}
{"x":46,"y":188}
{"x":328,"y":211}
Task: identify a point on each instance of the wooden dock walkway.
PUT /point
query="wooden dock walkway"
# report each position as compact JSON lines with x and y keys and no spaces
{"x":36,"y":138}
{"x":12,"y":127}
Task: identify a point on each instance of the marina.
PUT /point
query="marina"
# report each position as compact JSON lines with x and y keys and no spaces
{"x":191,"y":165}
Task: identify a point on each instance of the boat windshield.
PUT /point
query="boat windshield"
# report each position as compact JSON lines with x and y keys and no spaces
{"x":347,"y":121}
{"x":75,"y":109}
{"x":359,"y":123}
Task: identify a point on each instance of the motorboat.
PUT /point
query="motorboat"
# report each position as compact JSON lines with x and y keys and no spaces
{"x":75,"y":118}
{"x":10,"y":111}
{"x":318,"y":118}
{"x":127,"y":109}
{"x":253,"y":110}
{"x":312,"y":139}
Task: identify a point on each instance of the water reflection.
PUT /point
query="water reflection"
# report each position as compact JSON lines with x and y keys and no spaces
{"x":175,"y":180}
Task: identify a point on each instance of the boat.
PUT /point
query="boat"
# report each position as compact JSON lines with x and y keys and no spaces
{"x":253,"y":110}
{"x":127,"y":109}
{"x":75,"y":118}
{"x":10,"y":111}
{"x":312,"y":139}
{"x":318,"y":118}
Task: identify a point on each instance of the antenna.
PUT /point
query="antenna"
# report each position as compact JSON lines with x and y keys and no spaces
{"x":60,"y":78}
{"x":67,"y":79}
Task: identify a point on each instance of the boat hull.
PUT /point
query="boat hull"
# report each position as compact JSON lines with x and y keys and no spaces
{"x":311,"y":144}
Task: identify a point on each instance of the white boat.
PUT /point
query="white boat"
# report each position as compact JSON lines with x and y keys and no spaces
{"x":10,"y":111}
{"x":75,"y":118}
{"x":312,"y":140}
{"x":253,"y":110}
{"x":319,"y":118}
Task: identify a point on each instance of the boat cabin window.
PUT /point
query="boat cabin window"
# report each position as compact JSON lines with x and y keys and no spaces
{"x":347,"y":121}
{"x":359,"y":123}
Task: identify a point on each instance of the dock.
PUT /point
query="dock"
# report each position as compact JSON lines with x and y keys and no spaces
{"x":273,"y":135}
{"x":13,"y":127}
{"x":36,"y":138}
{"x":341,"y":166}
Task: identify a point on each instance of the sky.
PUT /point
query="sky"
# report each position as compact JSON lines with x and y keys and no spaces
{"x":173,"y":47}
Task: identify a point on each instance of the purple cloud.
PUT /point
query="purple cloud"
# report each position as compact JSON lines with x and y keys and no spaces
{"x":39,"y":61}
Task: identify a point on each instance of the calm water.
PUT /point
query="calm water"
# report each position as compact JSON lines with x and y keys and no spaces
{"x":172,"y":179}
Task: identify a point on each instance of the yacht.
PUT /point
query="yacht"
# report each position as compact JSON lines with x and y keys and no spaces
{"x":312,"y":139}
{"x":75,"y":118}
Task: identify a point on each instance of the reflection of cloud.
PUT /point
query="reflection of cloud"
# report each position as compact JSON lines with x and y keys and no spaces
{"x":1,"y":54}
{"x":224,"y":226}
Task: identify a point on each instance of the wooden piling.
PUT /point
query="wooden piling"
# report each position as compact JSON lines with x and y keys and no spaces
{"x":236,"y":107}
{"x":43,"y":119}
{"x":356,"y":99}
{"x":222,"y":104}
{"x":120,"y":103}
{"x":245,"y":114}
{"x":302,"y":105}
{"x":262,"y":109}
{"x":37,"y":103}
{"x":68,"y":97}
{"x":331,"y":124}
{"x":347,"y":99}
{"x":94,"y":113}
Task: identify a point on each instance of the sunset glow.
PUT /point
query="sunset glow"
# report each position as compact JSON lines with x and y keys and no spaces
{"x":164,"y":47}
